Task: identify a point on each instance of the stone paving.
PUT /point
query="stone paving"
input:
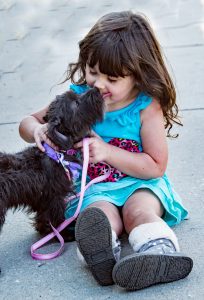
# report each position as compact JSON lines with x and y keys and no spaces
{"x":37,"y":41}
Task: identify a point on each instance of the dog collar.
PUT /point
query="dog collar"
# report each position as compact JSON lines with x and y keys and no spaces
{"x":67,"y":165}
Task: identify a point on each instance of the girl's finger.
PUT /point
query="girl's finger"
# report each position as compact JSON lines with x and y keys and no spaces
{"x":39,"y":144}
{"x":50,"y":143}
{"x":78,"y":145}
{"x":91,"y":153}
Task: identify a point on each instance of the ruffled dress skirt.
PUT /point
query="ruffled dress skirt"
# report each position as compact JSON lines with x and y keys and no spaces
{"x":119,"y":192}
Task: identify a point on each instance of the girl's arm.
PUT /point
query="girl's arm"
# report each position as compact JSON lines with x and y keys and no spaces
{"x":33,"y":129}
{"x":146,"y":165}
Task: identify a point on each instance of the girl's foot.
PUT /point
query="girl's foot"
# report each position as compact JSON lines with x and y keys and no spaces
{"x":93,"y":235}
{"x":157,"y":262}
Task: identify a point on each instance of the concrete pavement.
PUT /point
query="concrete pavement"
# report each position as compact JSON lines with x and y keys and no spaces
{"x":37,"y":41}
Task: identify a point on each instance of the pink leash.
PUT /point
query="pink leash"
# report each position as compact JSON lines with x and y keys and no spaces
{"x":56,"y":232}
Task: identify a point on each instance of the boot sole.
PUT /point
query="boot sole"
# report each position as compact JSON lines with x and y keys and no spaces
{"x":93,"y":235}
{"x":139,"y":271}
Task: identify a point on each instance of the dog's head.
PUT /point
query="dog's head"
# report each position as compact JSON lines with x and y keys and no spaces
{"x":70,"y":117}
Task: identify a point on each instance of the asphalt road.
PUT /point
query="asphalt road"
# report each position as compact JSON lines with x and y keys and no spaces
{"x":37,"y":41}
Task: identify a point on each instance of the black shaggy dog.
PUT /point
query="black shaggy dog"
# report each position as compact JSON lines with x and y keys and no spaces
{"x":32,"y":180}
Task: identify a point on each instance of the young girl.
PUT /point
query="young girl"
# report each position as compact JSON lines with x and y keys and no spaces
{"x":122,"y":58}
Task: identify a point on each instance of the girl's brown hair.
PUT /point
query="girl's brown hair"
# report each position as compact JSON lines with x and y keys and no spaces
{"x":123,"y":43}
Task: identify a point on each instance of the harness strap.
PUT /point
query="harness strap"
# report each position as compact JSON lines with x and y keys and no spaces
{"x":56,"y":231}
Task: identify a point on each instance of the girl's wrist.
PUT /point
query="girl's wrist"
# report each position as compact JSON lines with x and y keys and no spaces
{"x":109,"y":150}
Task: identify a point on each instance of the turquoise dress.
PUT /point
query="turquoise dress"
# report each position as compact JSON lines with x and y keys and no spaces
{"x":125,"y":123}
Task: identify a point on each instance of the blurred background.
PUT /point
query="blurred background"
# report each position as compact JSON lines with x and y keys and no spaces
{"x":39,"y":38}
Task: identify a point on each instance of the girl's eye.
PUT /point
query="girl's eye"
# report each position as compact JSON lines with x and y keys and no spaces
{"x":92,"y":72}
{"x":112,"y":79}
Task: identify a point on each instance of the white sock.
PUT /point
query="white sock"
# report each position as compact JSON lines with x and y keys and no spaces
{"x":81,"y":258}
{"x":145,"y":233}
{"x":115,"y":241}
{"x":116,"y":245}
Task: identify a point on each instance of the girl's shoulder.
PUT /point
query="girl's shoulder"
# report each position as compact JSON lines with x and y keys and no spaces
{"x":152,"y":110}
{"x":142,"y":101}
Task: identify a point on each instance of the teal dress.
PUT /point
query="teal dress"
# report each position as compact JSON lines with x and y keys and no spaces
{"x":125,"y":123}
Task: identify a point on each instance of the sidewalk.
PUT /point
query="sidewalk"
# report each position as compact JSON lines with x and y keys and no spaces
{"x":38,"y":39}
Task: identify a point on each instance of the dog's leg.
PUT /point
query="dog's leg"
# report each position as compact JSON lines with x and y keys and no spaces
{"x":40,"y":223}
{"x":43,"y":227}
{"x":3,"y":211}
{"x":54,"y":214}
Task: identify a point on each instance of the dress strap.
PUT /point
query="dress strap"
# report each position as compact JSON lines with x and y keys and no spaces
{"x":142,"y":101}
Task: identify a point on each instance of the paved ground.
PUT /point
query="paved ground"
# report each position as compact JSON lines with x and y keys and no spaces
{"x":37,"y":40}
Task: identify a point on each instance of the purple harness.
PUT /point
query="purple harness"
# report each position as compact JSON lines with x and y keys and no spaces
{"x":67,"y":165}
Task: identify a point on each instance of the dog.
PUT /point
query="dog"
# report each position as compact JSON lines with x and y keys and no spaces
{"x":37,"y":183}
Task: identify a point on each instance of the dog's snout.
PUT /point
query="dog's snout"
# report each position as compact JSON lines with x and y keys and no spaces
{"x":94,"y":90}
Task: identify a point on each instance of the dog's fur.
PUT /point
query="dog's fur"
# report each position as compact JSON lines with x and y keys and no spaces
{"x":33,"y":181}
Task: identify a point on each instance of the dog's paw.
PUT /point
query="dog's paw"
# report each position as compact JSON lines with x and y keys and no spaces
{"x":42,"y":227}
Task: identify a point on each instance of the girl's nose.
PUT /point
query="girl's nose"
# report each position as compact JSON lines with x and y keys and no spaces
{"x":99,"y":84}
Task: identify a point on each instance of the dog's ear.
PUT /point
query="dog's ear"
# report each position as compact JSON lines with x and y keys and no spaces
{"x":62,"y":107}
{"x":50,"y":116}
{"x":60,"y":116}
{"x":58,"y":138}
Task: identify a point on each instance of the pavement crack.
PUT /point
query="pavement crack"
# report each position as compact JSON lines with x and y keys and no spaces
{"x":192,"y":109}
{"x":182,"y":26}
{"x":8,"y":72}
{"x":9,"y":123}
{"x":185,"y":46}
{"x":7,"y":6}
{"x":18,"y":66}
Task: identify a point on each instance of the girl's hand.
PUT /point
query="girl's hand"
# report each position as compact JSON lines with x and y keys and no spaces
{"x":40,"y":135}
{"x":98,"y":149}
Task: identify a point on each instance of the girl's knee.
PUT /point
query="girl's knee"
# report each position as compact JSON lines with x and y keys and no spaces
{"x":131,"y":215}
{"x":137,"y":216}
{"x":142,"y":207}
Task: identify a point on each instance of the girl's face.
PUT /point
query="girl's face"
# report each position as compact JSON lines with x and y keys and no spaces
{"x":117,"y":92}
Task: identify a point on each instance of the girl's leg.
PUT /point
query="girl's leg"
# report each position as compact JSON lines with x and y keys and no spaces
{"x":96,"y":233}
{"x":156,"y":257}
{"x":142,"y":207}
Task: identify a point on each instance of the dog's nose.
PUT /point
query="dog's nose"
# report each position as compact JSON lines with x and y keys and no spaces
{"x":95,"y":89}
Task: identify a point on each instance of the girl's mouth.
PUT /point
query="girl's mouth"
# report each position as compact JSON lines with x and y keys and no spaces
{"x":106,"y":95}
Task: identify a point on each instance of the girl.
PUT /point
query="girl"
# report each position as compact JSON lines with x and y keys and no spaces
{"x":122,"y":58}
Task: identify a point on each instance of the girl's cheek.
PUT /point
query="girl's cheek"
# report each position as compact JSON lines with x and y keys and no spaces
{"x":89,"y":81}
